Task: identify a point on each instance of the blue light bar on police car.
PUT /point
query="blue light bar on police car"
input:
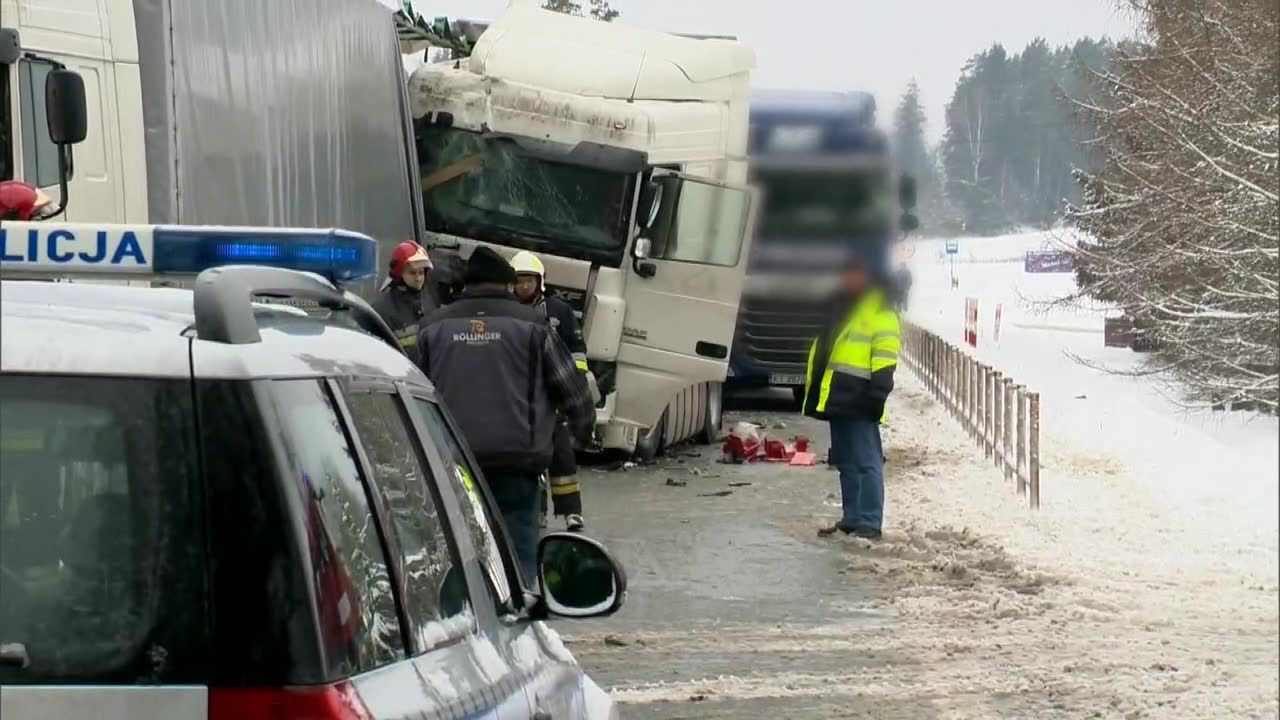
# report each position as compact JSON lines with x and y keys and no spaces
{"x":106,"y":249}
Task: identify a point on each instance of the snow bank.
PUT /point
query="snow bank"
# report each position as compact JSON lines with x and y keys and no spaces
{"x":1217,"y":470}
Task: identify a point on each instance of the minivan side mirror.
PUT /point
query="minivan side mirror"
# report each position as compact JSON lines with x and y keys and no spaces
{"x":65,"y":107}
{"x":578,"y":577}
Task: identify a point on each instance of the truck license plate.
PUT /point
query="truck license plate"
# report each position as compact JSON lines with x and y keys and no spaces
{"x":780,"y":379}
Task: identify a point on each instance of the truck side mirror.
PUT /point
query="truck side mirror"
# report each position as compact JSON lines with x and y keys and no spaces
{"x":65,"y":107}
{"x":10,"y":46}
{"x":650,"y":204}
{"x":907,"y":192}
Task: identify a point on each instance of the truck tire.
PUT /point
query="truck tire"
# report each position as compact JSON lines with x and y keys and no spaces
{"x":651,"y":444}
{"x":714,"y":419}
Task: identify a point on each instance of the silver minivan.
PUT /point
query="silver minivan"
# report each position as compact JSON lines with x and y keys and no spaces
{"x":215,"y":509}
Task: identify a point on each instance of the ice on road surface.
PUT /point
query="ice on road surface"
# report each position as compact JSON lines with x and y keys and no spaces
{"x":1145,"y":587}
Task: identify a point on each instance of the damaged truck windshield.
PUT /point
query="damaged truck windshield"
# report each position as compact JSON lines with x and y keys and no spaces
{"x":493,"y":190}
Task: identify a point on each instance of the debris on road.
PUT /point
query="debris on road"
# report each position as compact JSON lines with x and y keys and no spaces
{"x":615,"y":641}
{"x":720,"y":493}
{"x":804,"y":459}
{"x":747,"y":443}
{"x":739,"y":484}
{"x":676,"y":483}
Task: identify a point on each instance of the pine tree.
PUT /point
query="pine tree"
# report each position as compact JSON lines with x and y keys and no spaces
{"x":1015,"y":136}
{"x":568,"y":7}
{"x":913,"y":157}
{"x":601,"y":10}
{"x":596,"y":9}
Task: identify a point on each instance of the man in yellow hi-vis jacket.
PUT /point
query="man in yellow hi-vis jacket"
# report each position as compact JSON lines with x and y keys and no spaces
{"x":849,"y":378}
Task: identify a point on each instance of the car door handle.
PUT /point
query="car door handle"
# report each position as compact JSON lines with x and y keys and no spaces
{"x":711,"y":350}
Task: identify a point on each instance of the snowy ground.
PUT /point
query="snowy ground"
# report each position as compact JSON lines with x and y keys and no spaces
{"x":972,"y":606}
{"x":1176,"y":508}
{"x":1145,"y":587}
{"x":1119,"y":450}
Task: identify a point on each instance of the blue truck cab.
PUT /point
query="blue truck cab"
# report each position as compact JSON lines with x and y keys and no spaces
{"x":825,"y":172}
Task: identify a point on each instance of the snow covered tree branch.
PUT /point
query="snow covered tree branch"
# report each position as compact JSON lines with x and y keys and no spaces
{"x":1183,"y":213}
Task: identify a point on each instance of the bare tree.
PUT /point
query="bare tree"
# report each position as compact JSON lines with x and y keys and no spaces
{"x":1183,"y":216}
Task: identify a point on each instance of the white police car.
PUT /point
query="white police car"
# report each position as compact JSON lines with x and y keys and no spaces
{"x":217,"y":508}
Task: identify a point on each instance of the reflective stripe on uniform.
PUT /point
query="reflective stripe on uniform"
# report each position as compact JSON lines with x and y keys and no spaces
{"x":867,"y":343}
{"x":580,"y":361}
{"x":572,"y":488}
{"x":864,"y":373}
{"x":409,"y":341}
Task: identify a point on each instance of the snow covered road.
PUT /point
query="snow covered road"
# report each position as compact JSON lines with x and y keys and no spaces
{"x":972,"y":607}
{"x":1145,"y":587}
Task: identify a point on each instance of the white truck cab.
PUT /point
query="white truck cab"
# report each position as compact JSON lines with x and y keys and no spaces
{"x":619,"y":156}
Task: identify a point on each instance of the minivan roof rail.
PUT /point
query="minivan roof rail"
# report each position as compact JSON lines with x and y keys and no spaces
{"x":223,"y":302}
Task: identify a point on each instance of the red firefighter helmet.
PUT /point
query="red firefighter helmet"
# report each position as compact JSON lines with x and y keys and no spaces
{"x":20,"y":201}
{"x":404,"y":254}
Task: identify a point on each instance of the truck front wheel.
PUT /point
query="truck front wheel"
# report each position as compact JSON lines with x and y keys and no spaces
{"x":711,"y":429}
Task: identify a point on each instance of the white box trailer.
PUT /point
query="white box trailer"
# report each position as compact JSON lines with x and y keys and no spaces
{"x":234,"y":112}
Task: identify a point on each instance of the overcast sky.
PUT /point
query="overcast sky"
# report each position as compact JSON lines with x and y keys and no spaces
{"x":875,"y":45}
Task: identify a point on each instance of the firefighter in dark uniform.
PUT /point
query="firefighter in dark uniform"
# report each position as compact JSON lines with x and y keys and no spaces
{"x":404,"y":298}
{"x":566,"y":493}
{"x":508,"y":380}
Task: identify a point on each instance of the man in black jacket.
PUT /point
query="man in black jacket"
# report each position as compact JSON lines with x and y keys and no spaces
{"x":566,"y":493}
{"x":404,"y":298}
{"x":504,"y":375}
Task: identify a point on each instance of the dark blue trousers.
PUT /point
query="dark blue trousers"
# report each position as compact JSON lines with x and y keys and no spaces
{"x":517,"y":498}
{"x":857,"y":453}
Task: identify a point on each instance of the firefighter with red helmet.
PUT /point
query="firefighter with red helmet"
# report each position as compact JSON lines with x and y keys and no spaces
{"x":405,"y":296}
{"x":22,"y":202}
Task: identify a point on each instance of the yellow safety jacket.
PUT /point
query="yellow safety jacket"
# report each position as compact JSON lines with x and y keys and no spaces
{"x":850,"y":370}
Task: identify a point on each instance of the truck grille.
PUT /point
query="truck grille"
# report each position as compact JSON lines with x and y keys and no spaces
{"x":776,"y":335}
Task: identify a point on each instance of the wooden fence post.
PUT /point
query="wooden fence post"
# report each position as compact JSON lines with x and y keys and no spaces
{"x":973,"y":398}
{"x":1009,"y":461}
{"x":1033,"y":458}
{"x":1021,"y":469}
{"x":952,"y":364}
{"x":997,"y":415}
{"x":984,"y":407}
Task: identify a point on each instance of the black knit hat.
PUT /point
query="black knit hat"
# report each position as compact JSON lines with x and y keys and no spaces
{"x":487,"y":267}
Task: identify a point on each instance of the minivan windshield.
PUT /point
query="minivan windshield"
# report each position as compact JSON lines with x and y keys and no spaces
{"x":101,"y":539}
{"x":493,"y":191}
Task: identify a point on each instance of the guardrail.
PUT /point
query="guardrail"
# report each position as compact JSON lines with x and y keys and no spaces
{"x":1001,"y":416}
